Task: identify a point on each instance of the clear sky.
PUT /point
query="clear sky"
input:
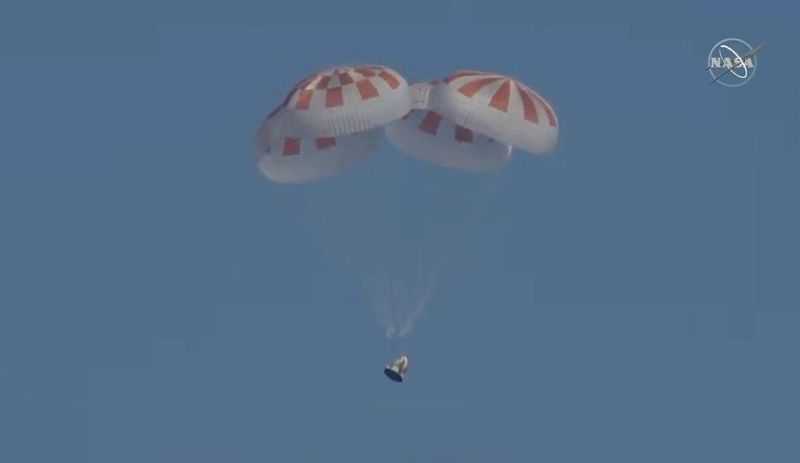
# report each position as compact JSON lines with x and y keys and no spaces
{"x":635,"y":297}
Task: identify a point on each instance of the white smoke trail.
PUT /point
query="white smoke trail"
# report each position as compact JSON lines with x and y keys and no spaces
{"x":418,"y":304}
{"x":399,"y":300}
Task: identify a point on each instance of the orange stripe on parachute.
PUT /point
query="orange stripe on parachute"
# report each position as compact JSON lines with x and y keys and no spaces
{"x":323,"y":82}
{"x":528,"y":107}
{"x":366,"y":72}
{"x":291,"y":146}
{"x":551,"y":116}
{"x":344,"y":78}
{"x":303,"y":99}
{"x":474,"y":86}
{"x":430,"y":123}
{"x":462,"y":73}
{"x":325,"y":142}
{"x":389,"y":79}
{"x":333,"y":97}
{"x":500,"y":98}
{"x":463,"y":134}
{"x":366,"y":89}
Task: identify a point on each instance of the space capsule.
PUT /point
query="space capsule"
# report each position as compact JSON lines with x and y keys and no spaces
{"x":396,"y":368}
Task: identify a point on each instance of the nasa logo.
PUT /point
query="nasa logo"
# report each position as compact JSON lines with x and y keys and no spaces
{"x":732,"y":62}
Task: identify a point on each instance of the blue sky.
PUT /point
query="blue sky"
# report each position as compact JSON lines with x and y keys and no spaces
{"x":632,"y":298}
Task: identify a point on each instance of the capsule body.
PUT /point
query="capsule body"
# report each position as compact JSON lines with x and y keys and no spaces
{"x":396,"y":368}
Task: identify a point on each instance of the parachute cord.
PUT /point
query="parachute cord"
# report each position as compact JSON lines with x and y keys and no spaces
{"x":400,"y":299}
{"x":484,"y":203}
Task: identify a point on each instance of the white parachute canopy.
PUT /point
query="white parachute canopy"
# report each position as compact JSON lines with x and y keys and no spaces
{"x":498,"y":107}
{"x":329,"y":121}
{"x":427,"y":135}
{"x":310,"y":159}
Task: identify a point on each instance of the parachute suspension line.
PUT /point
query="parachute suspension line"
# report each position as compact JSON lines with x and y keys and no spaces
{"x":420,"y":295}
{"x":489,"y":195}
{"x":400,"y":299}
{"x":483,"y":204}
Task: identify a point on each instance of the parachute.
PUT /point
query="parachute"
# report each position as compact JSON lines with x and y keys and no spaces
{"x":328,"y":121}
{"x":298,"y":160}
{"x":496,"y":106}
{"x":470,"y":120}
{"x":427,"y":135}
